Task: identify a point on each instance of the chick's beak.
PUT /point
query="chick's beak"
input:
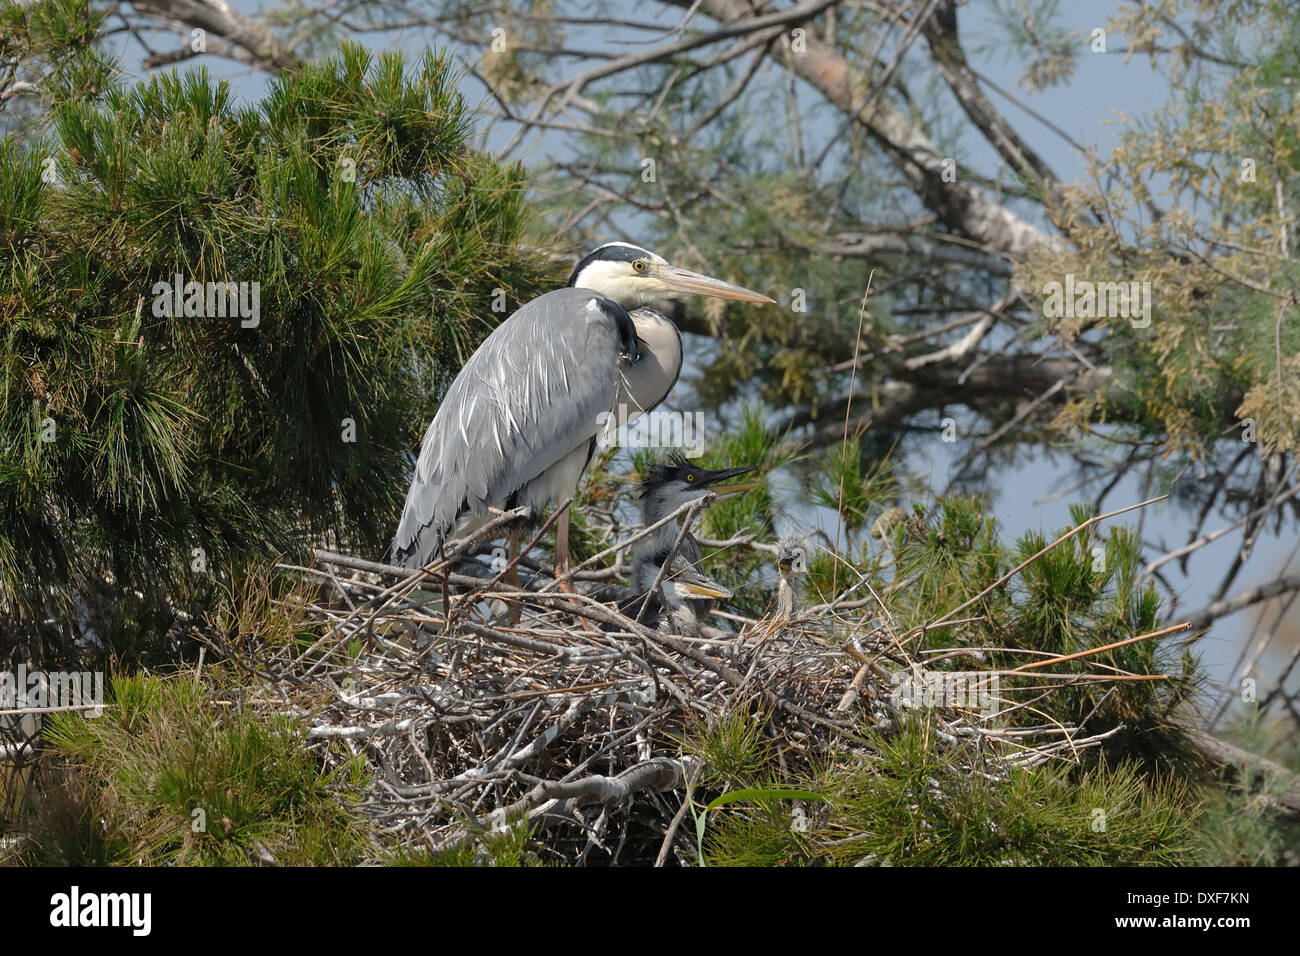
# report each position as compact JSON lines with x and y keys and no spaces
{"x":704,"y":590}
{"x":711,"y":478}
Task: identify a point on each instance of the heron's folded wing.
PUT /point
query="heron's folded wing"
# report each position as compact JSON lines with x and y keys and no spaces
{"x":532,"y":393}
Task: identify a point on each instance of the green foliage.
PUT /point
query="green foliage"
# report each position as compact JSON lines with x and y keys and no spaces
{"x":758,"y":795}
{"x":851,"y":490}
{"x":1085,"y":593}
{"x":168,"y":775}
{"x":917,"y":801}
{"x":1241,"y":826}
{"x":912,"y":796}
{"x":1217,"y":167}
{"x":734,"y":749}
{"x":53,"y":46}
{"x":133,"y":438}
{"x":509,"y":848}
{"x":747,"y":443}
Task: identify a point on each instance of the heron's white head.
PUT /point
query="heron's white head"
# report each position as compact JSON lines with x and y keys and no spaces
{"x":634,"y":277}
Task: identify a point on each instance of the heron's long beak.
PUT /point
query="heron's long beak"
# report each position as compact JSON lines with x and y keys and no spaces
{"x":683,"y":280}
{"x":710,"y":478}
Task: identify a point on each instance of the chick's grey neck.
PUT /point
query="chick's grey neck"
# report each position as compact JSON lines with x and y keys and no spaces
{"x":653,"y":550}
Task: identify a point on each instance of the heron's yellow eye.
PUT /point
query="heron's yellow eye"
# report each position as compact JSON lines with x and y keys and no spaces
{"x":691,"y":476}
{"x":639,"y":265}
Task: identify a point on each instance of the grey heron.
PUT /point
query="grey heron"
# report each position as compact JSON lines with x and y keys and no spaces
{"x":685,"y":595}
{"x":521,"y":420}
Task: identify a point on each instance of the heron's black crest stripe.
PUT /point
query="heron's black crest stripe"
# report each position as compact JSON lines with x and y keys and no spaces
{"x":626,"y":328}
{"x":615,"y":253}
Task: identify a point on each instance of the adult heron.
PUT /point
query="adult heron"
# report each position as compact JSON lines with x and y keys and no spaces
{"x":685,"y":595}
{"x":521,"y":420}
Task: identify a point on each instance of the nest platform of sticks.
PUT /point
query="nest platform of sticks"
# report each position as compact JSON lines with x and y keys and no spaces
{"x":480,"y":707}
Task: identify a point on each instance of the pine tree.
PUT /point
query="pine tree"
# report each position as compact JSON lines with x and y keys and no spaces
{"x":156,"y":434}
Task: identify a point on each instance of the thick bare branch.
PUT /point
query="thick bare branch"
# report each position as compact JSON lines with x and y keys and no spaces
{"x":959,"y":206}
{"x":223,"y":21}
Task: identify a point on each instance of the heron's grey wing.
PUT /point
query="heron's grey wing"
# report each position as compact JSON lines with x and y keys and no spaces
{"x":532,"y":393}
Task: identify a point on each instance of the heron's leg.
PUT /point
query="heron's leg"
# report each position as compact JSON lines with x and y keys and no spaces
{"x":562,"y":552}
{"x":512,"y":572}
{"x":512,"y":575}
{"x":562,"y":562}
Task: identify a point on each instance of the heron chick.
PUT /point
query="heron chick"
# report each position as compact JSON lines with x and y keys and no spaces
{"x":521,"y":420}
{"x":685,"y":595}
{"x":791,"y":568}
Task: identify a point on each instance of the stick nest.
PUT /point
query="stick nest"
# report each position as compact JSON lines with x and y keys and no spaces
{"x":479,"y":707}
